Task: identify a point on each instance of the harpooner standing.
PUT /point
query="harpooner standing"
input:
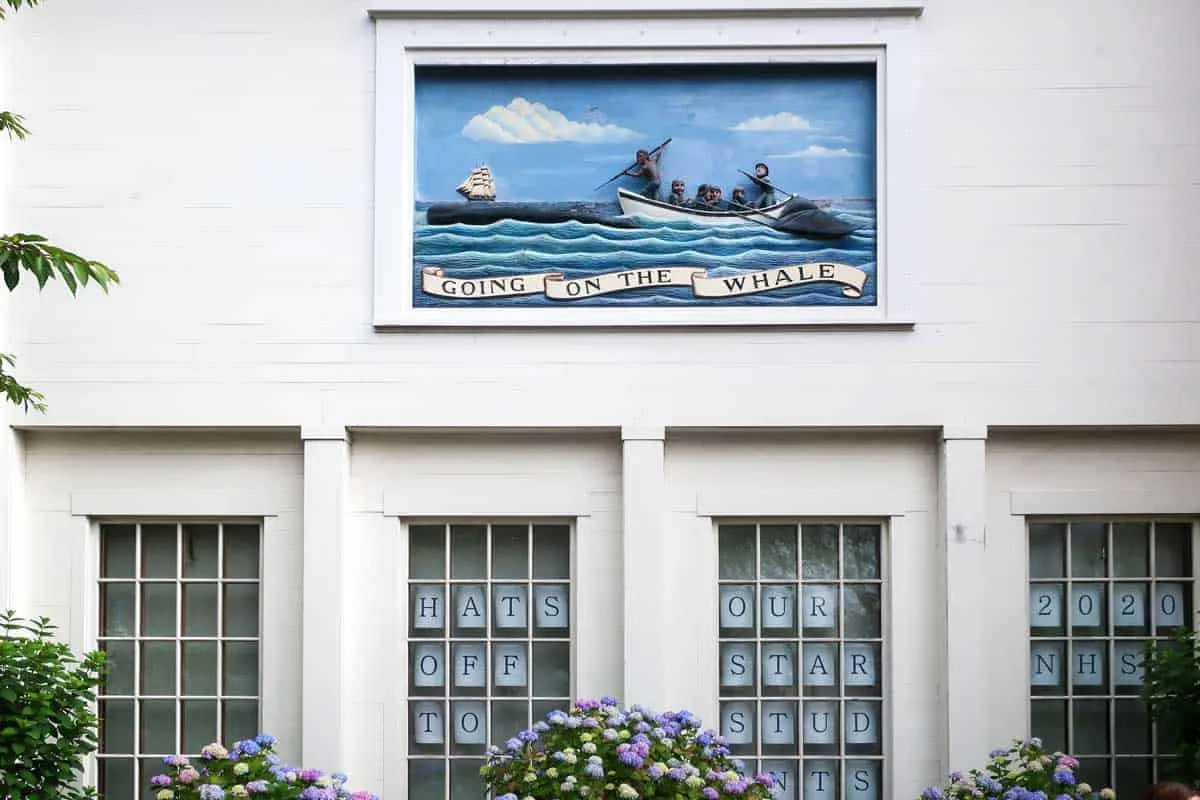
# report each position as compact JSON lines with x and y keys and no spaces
{"x":647,"y":169}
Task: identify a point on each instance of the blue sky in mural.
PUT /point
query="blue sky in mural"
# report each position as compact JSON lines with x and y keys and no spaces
{"x":554,"y":133}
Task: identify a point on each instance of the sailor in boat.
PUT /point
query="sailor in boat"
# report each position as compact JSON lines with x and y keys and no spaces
{"x":714,"y":199}
{"x":676,"y":197}
{"x":738,"y":200}
{"x":701,"y":199}
{"x":762,"y":180}
{"x":647,"y":169}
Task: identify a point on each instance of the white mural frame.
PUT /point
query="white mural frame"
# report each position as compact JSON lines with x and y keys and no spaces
{"x":461,"y":33}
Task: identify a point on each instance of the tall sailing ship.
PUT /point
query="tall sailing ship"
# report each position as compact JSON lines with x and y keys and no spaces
{"x":478,"y":185}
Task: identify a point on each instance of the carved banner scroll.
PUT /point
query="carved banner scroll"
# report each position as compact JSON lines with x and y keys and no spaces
{"x":555,"y":286}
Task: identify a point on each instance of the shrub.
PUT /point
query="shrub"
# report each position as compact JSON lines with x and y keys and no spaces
{"x":1022,"y":772}
{"x":250,"y":769}
{"x":598,"y":749}
{"x":47,"y":726}
{"x":1172,"y":691}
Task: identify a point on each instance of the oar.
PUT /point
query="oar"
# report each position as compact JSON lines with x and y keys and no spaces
{"x":634,"y":164}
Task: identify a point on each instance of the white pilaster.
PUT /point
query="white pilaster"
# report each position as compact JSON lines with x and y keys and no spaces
{"x":326,"y":477}
{"x":13,"y":559}
{"x":644,"y":503}
{"x":962,"y":501}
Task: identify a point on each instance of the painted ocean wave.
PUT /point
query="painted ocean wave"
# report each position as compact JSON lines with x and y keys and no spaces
{"x":577,"y":249}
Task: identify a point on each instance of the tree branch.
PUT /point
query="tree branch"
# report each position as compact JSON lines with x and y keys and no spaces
{"x":17,"y":394}
{"x":16,"y":4}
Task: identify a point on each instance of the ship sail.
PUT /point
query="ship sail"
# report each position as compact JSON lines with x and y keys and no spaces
{"x":478,"y":185}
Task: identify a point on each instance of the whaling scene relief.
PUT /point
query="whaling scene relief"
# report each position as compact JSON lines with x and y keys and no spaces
{"x":663,"y":186}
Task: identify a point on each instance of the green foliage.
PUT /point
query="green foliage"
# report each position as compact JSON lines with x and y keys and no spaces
{"x":1022,"y":771}
{"x":15,"y":5}
{"x":1172,"y":691}
{"x":13,"y":124}
{"x":32,"y":253}
{"x":47,"y":726}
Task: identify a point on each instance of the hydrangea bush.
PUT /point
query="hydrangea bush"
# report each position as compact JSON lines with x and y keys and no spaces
{"x":599,"y":750}
{"x":250,"y":769}
{"x":1022,"y":772}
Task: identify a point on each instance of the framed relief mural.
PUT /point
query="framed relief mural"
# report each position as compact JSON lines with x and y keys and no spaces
{"x":627,"y":186}
{"x":564,"y":172}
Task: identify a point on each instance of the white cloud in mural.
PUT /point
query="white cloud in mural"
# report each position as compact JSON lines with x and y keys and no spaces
{"x":783,"y":121}
{"x":817,"y":151}
{"x":525,"y":122}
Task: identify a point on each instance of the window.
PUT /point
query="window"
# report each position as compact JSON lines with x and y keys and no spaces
{"x":1097,"y":591}
{"x":179,"y":621}
{"x":489,"y":644}
{"x":801,"y":651}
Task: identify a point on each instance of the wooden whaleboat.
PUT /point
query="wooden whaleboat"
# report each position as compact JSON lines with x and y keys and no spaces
{"x":634,"y":203}
{"x":796,"y":215}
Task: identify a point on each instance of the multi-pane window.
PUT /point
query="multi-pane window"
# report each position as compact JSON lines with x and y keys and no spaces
{"x":1098,"y":590}
{"x":179,"y":622}
{"x":489,"y":648}
{"x":801,"y":655}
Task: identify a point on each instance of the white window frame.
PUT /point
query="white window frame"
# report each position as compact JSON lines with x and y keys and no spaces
{"x":406,"y":524}
{"x":1039,"y":508}
{"x":277,"y":702}
{"x":471,"y":32}
{"x":886,"y":728}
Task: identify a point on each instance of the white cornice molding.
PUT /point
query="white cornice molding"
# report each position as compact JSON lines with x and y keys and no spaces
{"x":639,"y":8}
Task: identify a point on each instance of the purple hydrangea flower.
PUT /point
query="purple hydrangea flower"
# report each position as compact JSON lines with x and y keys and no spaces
{"x":257,"y":787}
{"x":676,"y":773}
{"x":528,"y":736}
{"x":710,"y":793}
{"x":160,"y":780}
{"x":655,"y":771}
{"x":608,"y":700}
{"x":593,"y":771}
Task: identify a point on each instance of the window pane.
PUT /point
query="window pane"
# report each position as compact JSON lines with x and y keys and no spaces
{"x":117,"y":778}
{"x":241,"y":551}
{"x":551,"y":551}
{"x":199,"y":551}
{"x":240,"y":668}
{"x":1089,"y":543}
{"x":427,"y":551}
{"x":117,"y":609}
{"x":819,"y":551}
{"x":117,"y":551}
{"x":200,"y":609}
{"x":1046,"y":543}
{"x":1172,"y":549}
{"x":468,"y":552}
{"x":1048,"y":721}
{"x":464,"y":779}
{"x":158,"y":668}
{"x":510,"y":551}
{"x":1133,"y":776}
{"x":158,"y":727}
{"x":551,"y":669}
{"x":116,"y":728}
{"x":1132,"y":727}
{"x":118,"y":667}
{"x":241,"y":609}
{"x":509,"y":717}
{"x":200,"y":669}
{"x":863,"y":620}
{"x":780,"y":556}
{"x":860,"y":548}
{"x":158,"y":609}
{"x":239,"y":719}
{"x":199,"y":725}
{"x":736,"y":552}
{"x":426,"y":778}
{"x":1091,"y":727}
{"x":1131,"y":546}
{"x":159,"y":552}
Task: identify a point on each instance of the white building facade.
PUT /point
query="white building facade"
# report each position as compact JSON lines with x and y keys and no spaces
{"x":870,"y":543}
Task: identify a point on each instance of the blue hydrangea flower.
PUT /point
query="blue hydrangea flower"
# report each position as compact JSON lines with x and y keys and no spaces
{"x":265,"y":740}
{"x":1064,"y":777}
{"x":593,"y":771}
{"x":211,"y":792}
{"x":608,"y":700}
